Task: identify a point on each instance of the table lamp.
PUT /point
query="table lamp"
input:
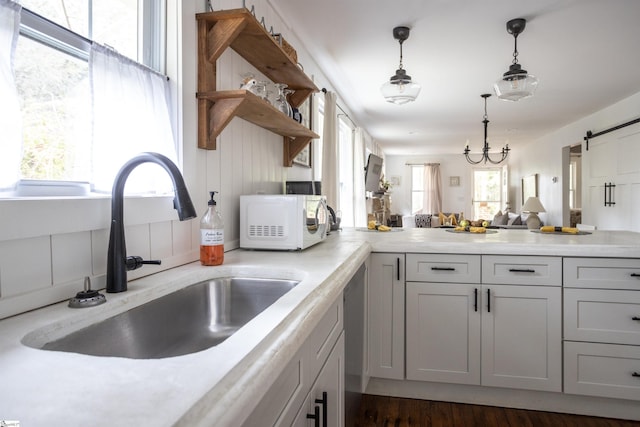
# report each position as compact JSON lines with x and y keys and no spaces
{"x":533,"y":207}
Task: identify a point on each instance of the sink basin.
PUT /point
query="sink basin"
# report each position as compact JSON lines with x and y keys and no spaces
{"x":186,"y":321}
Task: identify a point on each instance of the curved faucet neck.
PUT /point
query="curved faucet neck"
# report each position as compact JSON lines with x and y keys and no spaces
{"x":117,"y":253}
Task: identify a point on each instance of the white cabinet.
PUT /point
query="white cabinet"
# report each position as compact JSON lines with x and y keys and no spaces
{"x":385,"y":311}
{"x":324,"y":405}
{"x":485,"y":333}
{"x":602,"y":327}
{"x":285,"y":398}
{"x":522,"y":337}
{"x":443,"y":333}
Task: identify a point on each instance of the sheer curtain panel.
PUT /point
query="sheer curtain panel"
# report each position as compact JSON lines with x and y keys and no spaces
{"x":359,"y":201}
{"x":432,"y":203}
{"x":10,"y":118}
{"x":131,"y":114}
{"x":330,"y":151}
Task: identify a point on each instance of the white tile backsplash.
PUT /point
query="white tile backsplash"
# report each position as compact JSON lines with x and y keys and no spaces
{"x":182,"y":235}
{"x":70,"y":256}
{"x":161,"y":240}
{"x":137,"y":241}
{"x":25,"y":266}
{"x":99,"y":249}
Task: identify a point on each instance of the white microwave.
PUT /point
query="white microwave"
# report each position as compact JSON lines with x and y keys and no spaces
{"x":282,"y":221}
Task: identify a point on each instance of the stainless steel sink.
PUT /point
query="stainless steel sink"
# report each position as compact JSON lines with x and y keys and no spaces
{"x":186,"y":321}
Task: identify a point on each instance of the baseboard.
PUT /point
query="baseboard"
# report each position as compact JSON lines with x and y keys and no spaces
{"x":510,"y":398}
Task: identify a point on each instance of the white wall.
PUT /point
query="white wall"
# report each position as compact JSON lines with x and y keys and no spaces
{"x":543,"y":156}
{"x":454,"y":199}
{"x":47,"y":247}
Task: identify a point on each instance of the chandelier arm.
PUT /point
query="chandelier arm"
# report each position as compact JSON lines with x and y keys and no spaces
{"x":473,"y":162}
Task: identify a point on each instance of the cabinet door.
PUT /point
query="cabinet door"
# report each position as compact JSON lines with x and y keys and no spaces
{"x":386,"y":315}
{"x":521,"y":337}
{"x":443,"y":332}
{"x":326,"y":398}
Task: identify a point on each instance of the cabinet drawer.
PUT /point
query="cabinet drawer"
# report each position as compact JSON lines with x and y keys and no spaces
{"x":606,"y":316}
{"x":323,"y":337}
{"x":603,"y":273}
{"x":522,"y":270}
{"x":277,"y":408}
{"x":443,"y":268}
{"x":606,"y":370}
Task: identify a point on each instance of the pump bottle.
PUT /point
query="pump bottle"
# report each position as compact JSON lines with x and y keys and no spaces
{"x":211,"y":235}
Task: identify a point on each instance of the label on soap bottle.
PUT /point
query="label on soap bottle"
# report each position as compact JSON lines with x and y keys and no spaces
{"x":210,"y":237}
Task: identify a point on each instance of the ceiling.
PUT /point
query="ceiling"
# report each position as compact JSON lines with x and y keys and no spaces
{"x":584,"y":53}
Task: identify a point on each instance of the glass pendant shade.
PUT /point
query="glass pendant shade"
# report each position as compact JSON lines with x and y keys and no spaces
{"x":515,"y":84}
{"x":400,"y":89}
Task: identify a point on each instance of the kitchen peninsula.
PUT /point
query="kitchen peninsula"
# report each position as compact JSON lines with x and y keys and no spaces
{"x":223,"y":384}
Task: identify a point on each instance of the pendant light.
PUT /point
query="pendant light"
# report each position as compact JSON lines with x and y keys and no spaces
{"x":400,"y":89}
{"x":485,"y":148}
{"x":516,"y":83}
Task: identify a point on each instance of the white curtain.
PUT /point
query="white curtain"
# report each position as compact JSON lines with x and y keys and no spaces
{"x":131,"y":114}
{"x":432,"y":199}
{"x":359,"y":202}
{"x":10,"y":118}
{"x":330,"y":151}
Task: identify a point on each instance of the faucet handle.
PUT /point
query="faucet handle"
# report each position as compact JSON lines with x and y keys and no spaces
{"x":135,"y":262}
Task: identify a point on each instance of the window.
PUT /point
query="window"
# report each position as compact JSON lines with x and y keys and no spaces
{"x":417,"y":188}
{"x":487,"y":192}
{"x":51,"y":68}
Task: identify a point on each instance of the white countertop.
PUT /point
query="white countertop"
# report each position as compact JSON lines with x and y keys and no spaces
{"x":220,"y":385}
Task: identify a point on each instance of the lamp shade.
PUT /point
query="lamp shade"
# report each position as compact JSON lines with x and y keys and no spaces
{"x":515,"y":88}
{"x":533,"y":205}
{"x":400,"y":89}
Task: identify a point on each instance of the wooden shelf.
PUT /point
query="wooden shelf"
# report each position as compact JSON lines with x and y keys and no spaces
{"x":241,"y":31}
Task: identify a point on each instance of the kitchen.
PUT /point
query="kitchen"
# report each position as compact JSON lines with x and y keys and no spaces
{"x":248,"y":161}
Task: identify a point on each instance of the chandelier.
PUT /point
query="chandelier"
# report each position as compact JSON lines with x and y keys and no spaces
{"x":486,"y":157}
{"x":400,"y":89}
{"x":516,"y":83}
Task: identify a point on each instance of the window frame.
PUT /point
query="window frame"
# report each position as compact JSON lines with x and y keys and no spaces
{"x":502,"y":190}
{"x":32,"y":217}
{"x":152,"y":52}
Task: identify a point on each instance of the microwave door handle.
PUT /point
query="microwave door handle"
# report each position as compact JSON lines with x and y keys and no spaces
{"x":322,"y":205}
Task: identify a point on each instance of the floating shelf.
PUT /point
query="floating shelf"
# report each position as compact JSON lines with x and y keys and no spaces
{"x":241,"y":31}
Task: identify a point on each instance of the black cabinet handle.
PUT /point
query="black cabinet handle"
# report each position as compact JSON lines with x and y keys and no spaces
{"x":635,"y":374}
{"x":325,"y":403}
{"x":635,"y":275}
{"x":475,"y":299}
{"x":443,"y":269}
{"x":315,"y":416}
{"x":488,"y":300}
{"x":635,"y":318}
{"x":398,"y":268}
{"x":521,"y":270}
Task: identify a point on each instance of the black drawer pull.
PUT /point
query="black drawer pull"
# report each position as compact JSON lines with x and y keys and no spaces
{"x":635,"y":318}
{"x":398,"y":269}
{"x":635,"y":275}
{"x":443,"y":269}
{"x":475,"y":299}
{"x":488,"y":300}
{"x":315,"y":416}
{"x":635,"y":374}
{"x":324,"y":402}
{"x":521,"y":270}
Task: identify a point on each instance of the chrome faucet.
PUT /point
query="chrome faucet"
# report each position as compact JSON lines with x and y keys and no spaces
{"x":118,"y":263}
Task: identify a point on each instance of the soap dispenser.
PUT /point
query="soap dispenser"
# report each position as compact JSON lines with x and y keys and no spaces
{"x":211,"y":235}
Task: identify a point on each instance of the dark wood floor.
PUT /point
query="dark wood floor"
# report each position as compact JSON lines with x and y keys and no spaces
{"x":382,"y":411}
